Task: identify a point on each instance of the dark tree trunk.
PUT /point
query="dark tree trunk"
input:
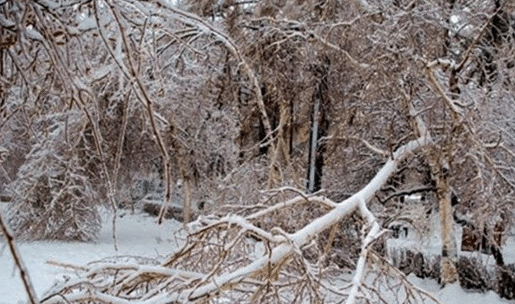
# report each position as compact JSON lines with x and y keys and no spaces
{"x":319,"y":126}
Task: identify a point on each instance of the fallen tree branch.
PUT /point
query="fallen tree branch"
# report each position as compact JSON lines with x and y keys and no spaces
{"x":221,"y":264}
{"x":283,"y":251}
{"x":324,"y":201}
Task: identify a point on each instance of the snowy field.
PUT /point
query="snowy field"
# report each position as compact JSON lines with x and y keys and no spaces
{"x":140,"y":236}
{"x":137,"y":236}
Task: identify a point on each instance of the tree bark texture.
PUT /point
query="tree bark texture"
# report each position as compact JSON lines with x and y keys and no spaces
{"x":449,"y":271}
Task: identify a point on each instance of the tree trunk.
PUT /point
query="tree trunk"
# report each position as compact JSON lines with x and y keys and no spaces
{"x":449,"y":272}
{"x":313,"y":177}
{"x":319,"y":126}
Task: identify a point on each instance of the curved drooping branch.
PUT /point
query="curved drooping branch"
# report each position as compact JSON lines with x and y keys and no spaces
{"x":203,"y":26}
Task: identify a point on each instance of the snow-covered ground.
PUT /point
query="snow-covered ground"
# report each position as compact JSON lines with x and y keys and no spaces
{"x":454,"y":294}
{"x":137,"y":236}
{"x":140,"y":236}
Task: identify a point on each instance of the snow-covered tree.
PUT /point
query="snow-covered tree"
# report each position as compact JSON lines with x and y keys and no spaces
{"x":363,"y":102}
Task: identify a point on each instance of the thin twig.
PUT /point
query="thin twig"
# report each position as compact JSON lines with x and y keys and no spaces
{"x":18,"y":260}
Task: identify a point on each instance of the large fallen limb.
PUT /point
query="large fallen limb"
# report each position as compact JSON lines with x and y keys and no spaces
{"x":301,"y":237}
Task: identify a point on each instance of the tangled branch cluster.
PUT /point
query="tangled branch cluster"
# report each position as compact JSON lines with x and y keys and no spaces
{"x":220,"y":262}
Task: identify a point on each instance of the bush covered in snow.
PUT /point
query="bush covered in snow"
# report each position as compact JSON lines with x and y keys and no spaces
{"x":53,"y":196}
